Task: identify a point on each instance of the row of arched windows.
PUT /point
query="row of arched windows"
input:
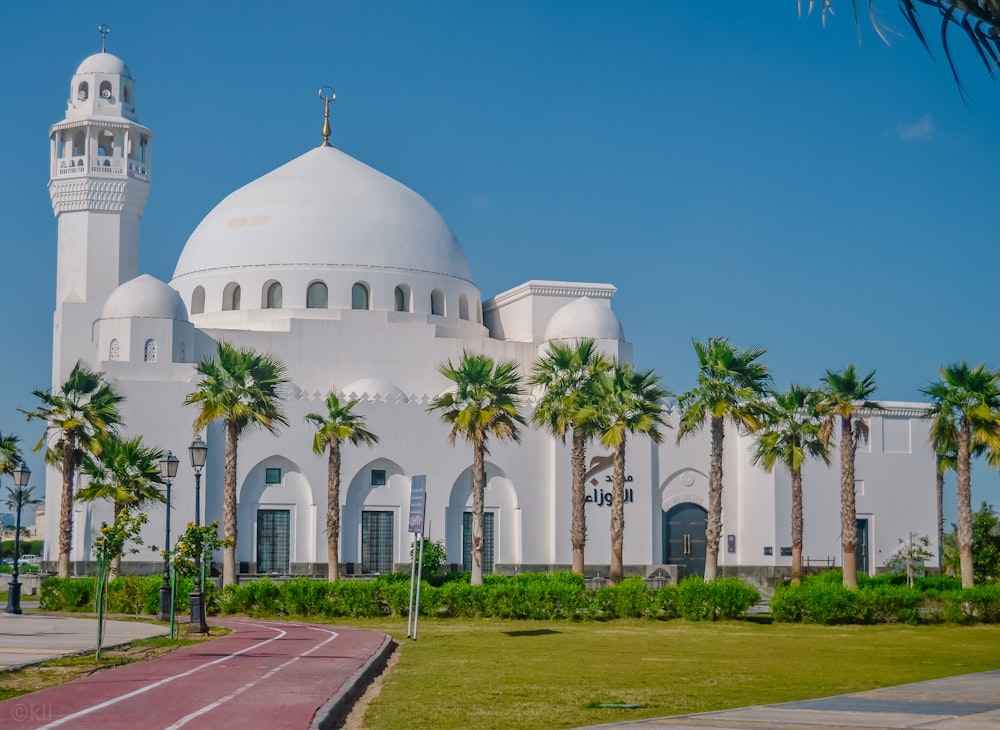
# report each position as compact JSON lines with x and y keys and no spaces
{"x":83,"y":91}
{"x":317,"y":297}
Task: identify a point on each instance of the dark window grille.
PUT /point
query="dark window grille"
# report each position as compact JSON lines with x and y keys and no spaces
{"x":272,"y":540}
{"x":488,"y":541}
{"x":376,"y":542}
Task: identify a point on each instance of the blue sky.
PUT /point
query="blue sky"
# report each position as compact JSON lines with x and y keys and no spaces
{"x":748,"y":173}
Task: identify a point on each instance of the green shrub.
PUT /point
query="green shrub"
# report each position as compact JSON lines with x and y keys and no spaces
{"x":628,"y":599}
{"x":732,"y":597}
{"x":665,"y":603}
{"x":892,"y":604}
{"x":819,"y":602}
{"x":68,"y":594}
{"x":694,"y":599}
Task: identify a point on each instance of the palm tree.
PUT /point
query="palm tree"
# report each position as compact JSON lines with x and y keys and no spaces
{"x":339,"y":424}
{"x":844,"y":394}
{"x":10,"y":453}
{"x":791,"y":432}
{"x":241,"y":388}
{"x":483,"y":404}
{"x":730,"y":386}
{"x":965,"y":412}
{"x":627,"y":402}
{"x":82,"y":409}
{"x":568,"y":373}
{"x":125,"y":472}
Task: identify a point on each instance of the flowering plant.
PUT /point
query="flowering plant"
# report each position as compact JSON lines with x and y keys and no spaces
{"x":197,"y":541}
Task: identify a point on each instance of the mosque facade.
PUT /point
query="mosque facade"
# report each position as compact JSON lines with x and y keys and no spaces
{"x":359,"y":286}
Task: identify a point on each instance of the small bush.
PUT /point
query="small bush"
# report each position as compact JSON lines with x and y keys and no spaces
{"x":68,"y":594}
{"x":694,"y":599}
{"x":628,"y":599}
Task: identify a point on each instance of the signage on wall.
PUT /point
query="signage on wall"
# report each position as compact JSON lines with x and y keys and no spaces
{"x":602,"y":497}
{"x":418,"y":502}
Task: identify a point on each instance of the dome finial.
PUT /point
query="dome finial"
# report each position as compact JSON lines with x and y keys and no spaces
{"x":327,"y":94}
{"x":103,"y":30}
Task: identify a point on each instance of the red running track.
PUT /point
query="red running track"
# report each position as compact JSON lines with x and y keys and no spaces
{"x":264,"y":674}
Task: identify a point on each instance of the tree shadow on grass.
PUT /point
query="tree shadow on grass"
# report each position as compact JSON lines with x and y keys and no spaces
{"x":533,"y":632}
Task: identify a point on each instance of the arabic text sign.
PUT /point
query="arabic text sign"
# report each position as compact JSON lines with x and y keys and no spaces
{"x":418,"y":502}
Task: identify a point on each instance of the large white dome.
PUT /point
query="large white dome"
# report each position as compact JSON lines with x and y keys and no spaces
{"x":324,"y":209}
{"x":103,"y":63}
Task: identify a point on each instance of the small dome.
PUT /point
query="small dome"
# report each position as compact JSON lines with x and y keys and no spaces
{"x":104,"y":63}
{"x":372,"y":387}
{"x":144,"y":296}
{"x":584,"y":318}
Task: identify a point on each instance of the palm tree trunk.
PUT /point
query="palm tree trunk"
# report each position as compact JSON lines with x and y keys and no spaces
{"x":578,"y":527}
{"x":618,"y":514}
{"x":229,"y":574}
{"x":939,"y":484}
{"x":478,"y":497}
{"x":66,"y":505}
{"x":713,"y":530}
{"x":848,"y":512}
{"x":116,"y":562}
{"x":964,"y":479}
{"x":333,"y":510}
{"x":796,"y":527}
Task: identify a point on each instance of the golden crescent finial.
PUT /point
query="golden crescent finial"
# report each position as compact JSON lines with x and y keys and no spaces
{"x":326,"y":94}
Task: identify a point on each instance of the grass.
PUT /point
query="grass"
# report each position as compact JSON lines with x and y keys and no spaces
{"x":526,"y":674}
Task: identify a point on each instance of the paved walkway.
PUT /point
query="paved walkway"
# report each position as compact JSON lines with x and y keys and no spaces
{"x":967,"y":702}
{"x":263,"y":674}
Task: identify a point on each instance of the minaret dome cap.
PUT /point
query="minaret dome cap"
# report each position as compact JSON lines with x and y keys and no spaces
{"x":104,"y":63}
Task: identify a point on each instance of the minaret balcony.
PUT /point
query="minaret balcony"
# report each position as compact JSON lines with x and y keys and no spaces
{"x":114,"y":166}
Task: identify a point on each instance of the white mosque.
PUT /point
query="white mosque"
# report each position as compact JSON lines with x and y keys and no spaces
{"x":360,"y":286}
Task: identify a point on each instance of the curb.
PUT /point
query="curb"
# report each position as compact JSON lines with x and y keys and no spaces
{"x":333,"y":713}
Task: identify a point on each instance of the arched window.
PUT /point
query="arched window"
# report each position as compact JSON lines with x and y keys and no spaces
{"x":317,"y":296}
{"x":463,"y":307}
{"x":79,"y":143}
{"x":149,"y":351}
{"x":273,"y":298}
{"x":114,"y":352}
{"x":105,"y":89}
{"x":402,"y":297}
{"x":198,"y":300}
{"x":359,"y":296}
{"x":127,"y":93}
{"x":83,"y":91}
{"x":106,"y":143}
{"x":437,"y":302}
{"x":231,"y":297}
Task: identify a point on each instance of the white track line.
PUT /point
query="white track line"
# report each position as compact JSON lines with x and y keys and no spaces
{"x":208,"y":708}
{"x":162,"y":682}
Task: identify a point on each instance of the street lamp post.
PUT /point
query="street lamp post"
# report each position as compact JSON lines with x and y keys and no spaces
{"x":21,"y":476}
{"x":168,"y":470}
{"x":198,"y":451}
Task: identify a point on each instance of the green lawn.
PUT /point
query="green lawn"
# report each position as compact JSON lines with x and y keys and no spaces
{"x":527,"y":674}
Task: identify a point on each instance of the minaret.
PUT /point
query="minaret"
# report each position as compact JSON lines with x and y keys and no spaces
{"x":99,"y":182}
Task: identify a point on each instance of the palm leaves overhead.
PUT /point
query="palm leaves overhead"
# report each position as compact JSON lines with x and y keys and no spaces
{"x":569,"y":373}
{"x":792,"y":432}
{"x":84,"y":408}
{"x":978,"y":21}
{"x":965,"y":413}
{"x":483,"y":404}
{"x":242,"y":388}
{"x":845,"y":394}
{"x":627,"y":402}
{"x":339,"y":424}
{"x":730,"y":385}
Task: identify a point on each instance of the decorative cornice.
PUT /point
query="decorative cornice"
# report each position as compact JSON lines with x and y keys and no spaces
{"x":104,"y":123}
{"x":99,"y":196}
{"x":551,"y":289}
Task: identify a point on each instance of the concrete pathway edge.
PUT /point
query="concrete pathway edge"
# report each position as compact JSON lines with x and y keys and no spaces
{"x":332,"y":714}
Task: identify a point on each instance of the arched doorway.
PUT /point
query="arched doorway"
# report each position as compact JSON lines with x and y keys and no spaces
{"x":684,"y":537}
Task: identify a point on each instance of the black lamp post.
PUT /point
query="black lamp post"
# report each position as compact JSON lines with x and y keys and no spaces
{"x":198,"y":451}
{"x":21,"y":476}
{"x":168,"y":470}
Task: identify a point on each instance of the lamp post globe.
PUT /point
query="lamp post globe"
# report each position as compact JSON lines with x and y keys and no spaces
{"x":21,"y":476}
{"x":168,"y":470}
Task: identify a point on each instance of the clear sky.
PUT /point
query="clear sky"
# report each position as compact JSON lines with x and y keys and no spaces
{"x":739,"y":171}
